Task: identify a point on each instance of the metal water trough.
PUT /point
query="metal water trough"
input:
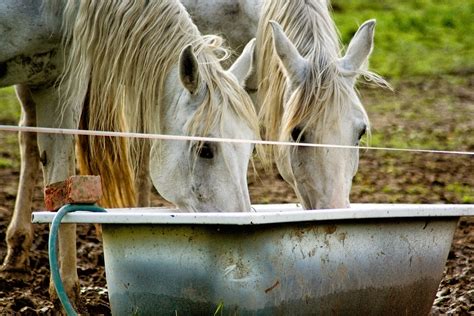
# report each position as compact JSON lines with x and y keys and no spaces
{"x":372,"y":259}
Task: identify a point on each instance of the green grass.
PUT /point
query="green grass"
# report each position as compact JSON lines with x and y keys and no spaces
{"x":220,"y":309}
{"x":415,"y":140}
{"x":429,"y":114}
{"x":9,"y":107}
{"x":465,"y":191}
{"x":413,"y":37}
{"x":6,"y":163}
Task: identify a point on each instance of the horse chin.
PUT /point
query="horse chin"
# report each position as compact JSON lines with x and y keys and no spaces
{"x":312,"y":198}
{"x":319,"y":205}
{"x":332,"y":204}
{"x":195,"y":204}
{"x":216,"y":208}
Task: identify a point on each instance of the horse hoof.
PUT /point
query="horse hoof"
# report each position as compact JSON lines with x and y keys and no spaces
{"x":75,"y":298}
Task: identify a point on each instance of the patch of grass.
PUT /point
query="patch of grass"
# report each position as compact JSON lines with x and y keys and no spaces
{"x":422,"y":114}
{"x":468,"y":199}
{"x":413,"y":140}
{"x":9,"y":107}
{"x":463,"y":190}
{"x":415,"y":189}
{"x":388,"y":189}
{"x":413,"y":37}
{"x":9,"y":144}
{"x":6,"y":163}
{"x":220,"y":309}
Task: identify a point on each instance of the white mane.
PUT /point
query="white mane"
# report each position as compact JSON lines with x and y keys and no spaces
{"x":119,"y":56}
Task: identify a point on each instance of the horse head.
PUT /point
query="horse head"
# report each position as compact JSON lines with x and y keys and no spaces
{"x":206,"y":176}
{"x":321,"y":106}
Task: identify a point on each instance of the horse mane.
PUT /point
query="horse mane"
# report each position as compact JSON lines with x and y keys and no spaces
{"x":119,"y":56}
{"x":320,"y":99}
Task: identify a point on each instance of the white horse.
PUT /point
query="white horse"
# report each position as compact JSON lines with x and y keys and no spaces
{"x":305,"y":87}
{"x":124,"y":68}
{"x":307,"y":94}
{"x":159,"y":70}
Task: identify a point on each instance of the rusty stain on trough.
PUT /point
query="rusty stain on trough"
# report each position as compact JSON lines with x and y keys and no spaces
{"x":273,"y":286}
{"x":342,"y":237}
{"x":330,"y":229}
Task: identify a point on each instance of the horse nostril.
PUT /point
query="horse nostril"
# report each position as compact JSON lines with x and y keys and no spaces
{"x":3,"y":69}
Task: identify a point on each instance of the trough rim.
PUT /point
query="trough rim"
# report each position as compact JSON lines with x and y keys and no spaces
{"x":261,"y":214}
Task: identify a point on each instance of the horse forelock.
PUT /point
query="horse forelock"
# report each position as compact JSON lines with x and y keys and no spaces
{"x":324,"y":94}
{"x":223,"y":95}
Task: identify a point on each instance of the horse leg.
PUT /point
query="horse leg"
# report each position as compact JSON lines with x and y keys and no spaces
{"x":58,"y":162}
{"x":20,"y":230}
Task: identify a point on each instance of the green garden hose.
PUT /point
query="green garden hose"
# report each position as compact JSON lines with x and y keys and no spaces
{"x":53,"y":256}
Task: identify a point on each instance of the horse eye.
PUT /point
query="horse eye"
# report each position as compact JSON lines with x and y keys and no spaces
{"x":297,"y":135}
{"x":205,"y":151}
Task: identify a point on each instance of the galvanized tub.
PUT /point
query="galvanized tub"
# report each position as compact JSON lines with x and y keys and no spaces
{"x":372,"y":259}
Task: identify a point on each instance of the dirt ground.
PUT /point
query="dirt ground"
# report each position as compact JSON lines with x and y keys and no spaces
{"x":382,"y":178}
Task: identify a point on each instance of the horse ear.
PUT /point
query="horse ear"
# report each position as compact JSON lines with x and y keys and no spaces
{"x":294,"y":64}
{"x":189,"y":69}
{"x":243,"y":66}
{"x":360,"y":48}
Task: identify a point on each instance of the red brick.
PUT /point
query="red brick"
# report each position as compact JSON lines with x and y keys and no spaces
{"x":76,"y":189}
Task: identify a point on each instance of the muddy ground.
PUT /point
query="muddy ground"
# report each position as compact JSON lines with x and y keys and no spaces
{"x":383,"y":178}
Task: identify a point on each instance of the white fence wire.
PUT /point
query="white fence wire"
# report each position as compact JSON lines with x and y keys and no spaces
{"x":62,"y":131}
